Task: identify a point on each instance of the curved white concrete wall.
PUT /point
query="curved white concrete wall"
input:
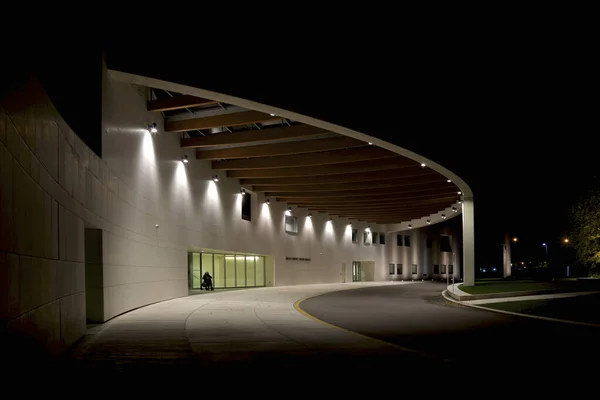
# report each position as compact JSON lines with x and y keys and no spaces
{"x":53,"y":187}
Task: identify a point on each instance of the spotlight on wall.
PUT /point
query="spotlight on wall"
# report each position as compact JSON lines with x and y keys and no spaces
{"x":454,"y":209}
{"x":460,"y":202}
{"x":309,"y":215}
{"x":267,"y":201}
{"x":243,"y":191}
{"x":215,"y":178}
{"x":184,"y":159}
{"x":459,"y":192}
{"x":272,"y":115}
{"x":370,"y":144}
{"x":423,"y":165}
{"x":449,"y":181}
{"x":330,"y":219}
{"x":288,"y":211}
{"x":443,"y":216}
{"x":368,"y":228}
{"x":157,"y":226}
{"x":152,"y":128}
{"x":409,"y":226}
{"x":428,"y":222}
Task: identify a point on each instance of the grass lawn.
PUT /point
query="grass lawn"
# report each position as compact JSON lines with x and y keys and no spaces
{"x":497,"y":286}
{"x":510,"y":285}
{"x":580,"y":308}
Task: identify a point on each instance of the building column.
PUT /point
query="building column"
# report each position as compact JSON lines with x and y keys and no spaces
{"x":507,"y":256}
{"x":468,"y":217}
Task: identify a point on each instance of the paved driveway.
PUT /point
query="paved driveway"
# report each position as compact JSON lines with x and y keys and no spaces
{"x":387,"y":334}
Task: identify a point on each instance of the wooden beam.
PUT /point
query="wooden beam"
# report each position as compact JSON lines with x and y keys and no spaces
{"x":398,"y":194}
{"x":390,"y":207}
{"x":383,"y":201}
{"x":345,"y":168}
{"x":384,"y":183}
{"x":379,"y":217}
{"x":357,"y":199}
{"x":219,"y":121}
{"x":392,"y":191}
{"x":254,"y":136}
{"x":280,"y":149}
{"x":409,"y":174}
{"x":368,"y":153}
{"x":178,"y":102}
{"x":327,"y":207}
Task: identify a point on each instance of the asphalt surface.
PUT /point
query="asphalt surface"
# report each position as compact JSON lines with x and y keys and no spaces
{"x":481,"y":344}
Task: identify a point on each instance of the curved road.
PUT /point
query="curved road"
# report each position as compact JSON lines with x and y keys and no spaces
{"x":484,"y":343}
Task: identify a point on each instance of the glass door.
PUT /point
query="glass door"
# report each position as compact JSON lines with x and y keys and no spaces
{"x":356,"y":274}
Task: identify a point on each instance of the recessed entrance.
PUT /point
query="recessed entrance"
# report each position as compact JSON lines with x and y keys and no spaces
{"x":227,"y":270}
{"x":356,"y":272}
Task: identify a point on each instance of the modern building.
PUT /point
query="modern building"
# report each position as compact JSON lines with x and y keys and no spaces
{"x":184,"y":180}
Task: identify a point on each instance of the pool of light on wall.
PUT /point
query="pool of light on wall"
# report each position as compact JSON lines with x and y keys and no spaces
{"x":148,"y":148}
{"x":328,"y":230}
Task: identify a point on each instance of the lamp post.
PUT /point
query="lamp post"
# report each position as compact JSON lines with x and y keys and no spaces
{"x":546,"y":246}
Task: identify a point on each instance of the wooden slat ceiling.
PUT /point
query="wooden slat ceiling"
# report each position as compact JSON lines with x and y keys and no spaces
{"x":306,"y":166}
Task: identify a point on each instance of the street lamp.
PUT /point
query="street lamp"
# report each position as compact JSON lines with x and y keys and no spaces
{"x":546,"y":246}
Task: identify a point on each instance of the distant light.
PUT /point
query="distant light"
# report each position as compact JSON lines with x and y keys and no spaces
{"x":449,"y":181}
{"x":370,"y":144}
{"x":566,"y":240}
{"x":484,"y":270}
{"x":272,"y":115}
{"x":216,"y":178}
{"x":515,"y":239}
{"x":459,"y":192}
{"x":543,"y":244}
{"x":152,"y":128}
{"x":423,"y":164}
{"x":184,"y":159}
{"x":494,"y":269}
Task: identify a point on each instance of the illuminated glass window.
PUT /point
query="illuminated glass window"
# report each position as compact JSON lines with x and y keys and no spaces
{"x":291,"y":224}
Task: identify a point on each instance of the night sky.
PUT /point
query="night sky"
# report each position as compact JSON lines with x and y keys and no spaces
{"x":514,"y":121}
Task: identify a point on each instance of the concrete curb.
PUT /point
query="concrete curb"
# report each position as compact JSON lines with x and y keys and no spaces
{"x":449,"y":298}
{"x":463,"y":297}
